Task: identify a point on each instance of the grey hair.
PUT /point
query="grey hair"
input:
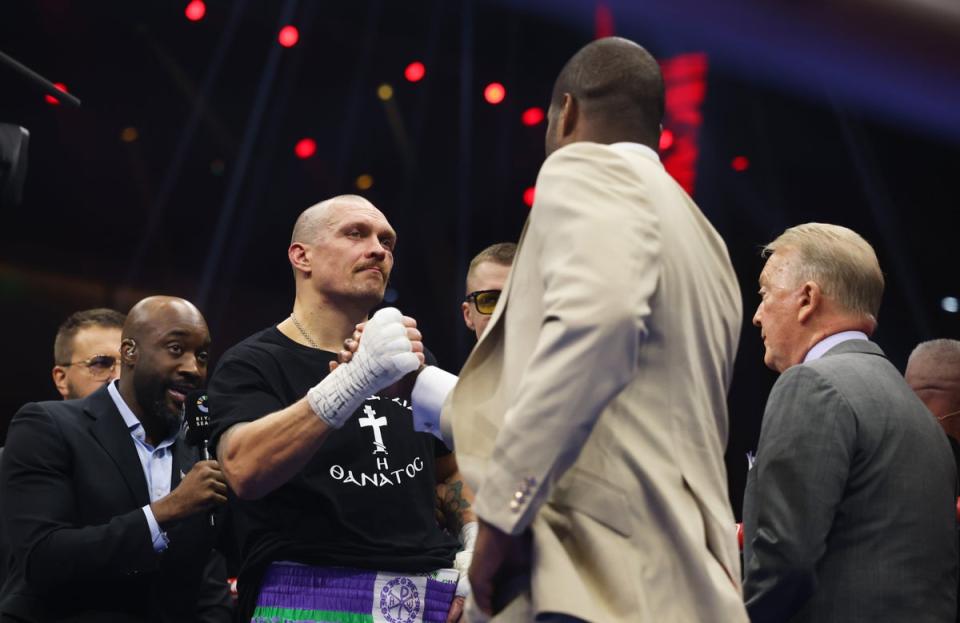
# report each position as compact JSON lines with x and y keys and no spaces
{"x":839,"y":260}
{"x":942,"y":353}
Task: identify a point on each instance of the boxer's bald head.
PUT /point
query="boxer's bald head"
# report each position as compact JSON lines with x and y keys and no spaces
{"x":341,"y":251}
{"x":315,"y":220}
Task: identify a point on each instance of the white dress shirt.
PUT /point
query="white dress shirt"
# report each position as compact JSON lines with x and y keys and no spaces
{"x":429,"y":393}
{"x":157,"y":463}
{"x":820,"y":348}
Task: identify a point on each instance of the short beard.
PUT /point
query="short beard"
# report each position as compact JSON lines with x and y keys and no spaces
{"x":156,"y":408}
{"x":171,"y":420}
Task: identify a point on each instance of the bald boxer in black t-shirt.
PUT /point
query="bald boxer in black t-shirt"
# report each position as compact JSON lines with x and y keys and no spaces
{"x":333,"y":487}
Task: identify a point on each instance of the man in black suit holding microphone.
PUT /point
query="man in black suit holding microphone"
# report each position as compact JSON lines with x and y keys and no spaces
{"x":107,"y":509}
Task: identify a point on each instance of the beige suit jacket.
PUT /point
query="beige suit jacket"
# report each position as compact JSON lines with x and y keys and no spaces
{"x":593,"y":410}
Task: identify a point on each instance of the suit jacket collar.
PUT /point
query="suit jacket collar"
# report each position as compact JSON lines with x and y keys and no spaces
{"x":111,"y":432}
{"x":638,"y":148}
{"x":864,"y":347}
{"x":133,"y":424}
{"x":183,"y":459}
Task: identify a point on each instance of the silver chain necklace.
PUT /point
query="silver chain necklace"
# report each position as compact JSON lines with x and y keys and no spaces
{"x":303,"y":332}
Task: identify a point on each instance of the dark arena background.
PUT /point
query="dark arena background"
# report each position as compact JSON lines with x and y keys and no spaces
{"x":206,"y":127}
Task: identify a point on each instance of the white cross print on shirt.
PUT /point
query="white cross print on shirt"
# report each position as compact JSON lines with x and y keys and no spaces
{"x":376,"y":423}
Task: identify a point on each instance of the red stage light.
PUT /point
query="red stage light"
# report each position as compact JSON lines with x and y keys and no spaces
{"x":195,"y":10}
{"x":740,"y":164}
{"x":288,"y":37}
{"x":305,"y":148}
{"x":51,"y":99}
{"x":602,"y":21}
{"x":666,"y":140}
{"x":494,"y":93}
{"x":532,"y":116}
{"x":528,"y":196}
{"x":415,"y":71}
{"x":685,"y":79}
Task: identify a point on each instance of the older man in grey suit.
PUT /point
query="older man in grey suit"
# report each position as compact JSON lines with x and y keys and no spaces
{"x":849,"y":513}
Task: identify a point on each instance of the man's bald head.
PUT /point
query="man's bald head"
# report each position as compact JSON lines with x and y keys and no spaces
{"x":933,"y":372}
{"x":155,"y":312}
{"x":341,"y":253}
{"x":935,"y":362}
{"x":937,"y":353}
{"x":618,"y":88}
{"x":313,"y":221}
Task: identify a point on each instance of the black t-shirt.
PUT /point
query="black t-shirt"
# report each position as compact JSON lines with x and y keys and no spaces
{"x":364,"y":500}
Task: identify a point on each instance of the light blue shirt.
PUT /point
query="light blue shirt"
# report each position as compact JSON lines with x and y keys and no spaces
{"x":157,"y":463}
{"x":820,"y":348}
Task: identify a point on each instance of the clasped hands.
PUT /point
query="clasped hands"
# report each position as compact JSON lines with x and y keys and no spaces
{"x":375,"y":334}
{"x":354,"y":348}
{"x":497,"y":553}
{"x":390,"y":338}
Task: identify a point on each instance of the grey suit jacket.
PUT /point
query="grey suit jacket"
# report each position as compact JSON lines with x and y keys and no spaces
{"x":850,"y":509}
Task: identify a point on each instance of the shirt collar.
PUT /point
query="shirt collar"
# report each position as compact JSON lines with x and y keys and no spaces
{"x":643,"y":150}
{"x":820,"y":348}
{"x":134,"y":426}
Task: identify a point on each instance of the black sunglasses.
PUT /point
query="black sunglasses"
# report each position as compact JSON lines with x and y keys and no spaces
{"x":485,"y":301}
{"x":99,"y":366}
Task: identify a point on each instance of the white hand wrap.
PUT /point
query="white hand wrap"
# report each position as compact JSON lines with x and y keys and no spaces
{"x":468,"y":537}
{"x":384,"y":357}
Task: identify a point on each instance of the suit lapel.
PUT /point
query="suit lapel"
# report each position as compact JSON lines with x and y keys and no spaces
{"x":175,"y":473}
{"x":111,"y":433}
{"x":184,"y":457}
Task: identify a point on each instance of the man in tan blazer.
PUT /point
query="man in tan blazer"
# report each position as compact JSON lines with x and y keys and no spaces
{"x":592,"y":413}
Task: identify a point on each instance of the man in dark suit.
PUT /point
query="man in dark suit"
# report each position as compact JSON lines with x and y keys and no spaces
{"x":849,"y":512}
{"x":86,"y":352}
{"x":106,"y":507}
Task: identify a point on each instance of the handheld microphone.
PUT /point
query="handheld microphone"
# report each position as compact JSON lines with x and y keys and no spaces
{"x":196,"y":414}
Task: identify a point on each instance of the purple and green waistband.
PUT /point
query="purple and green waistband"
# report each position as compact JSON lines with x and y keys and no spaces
{"x":294,"y":593}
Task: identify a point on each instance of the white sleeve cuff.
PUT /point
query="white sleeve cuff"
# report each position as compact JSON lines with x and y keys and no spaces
{"x":429,"y":393}
{"x":158,"y":536}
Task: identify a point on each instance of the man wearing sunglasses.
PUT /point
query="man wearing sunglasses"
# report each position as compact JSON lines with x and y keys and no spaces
{"x":86,"y":352}
{"x":485,"y":278}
